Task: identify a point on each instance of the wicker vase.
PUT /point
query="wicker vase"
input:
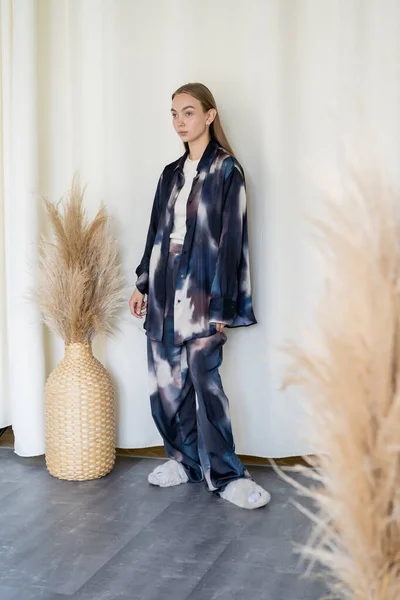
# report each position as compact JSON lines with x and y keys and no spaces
{"x":79,"y":416}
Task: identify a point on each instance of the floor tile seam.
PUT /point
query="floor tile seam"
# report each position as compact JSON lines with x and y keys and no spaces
{"x":114,"y":556}
{"x":208,"y":570}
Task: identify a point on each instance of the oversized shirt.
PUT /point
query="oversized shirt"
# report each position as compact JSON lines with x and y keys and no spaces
{"x":213,"y":281}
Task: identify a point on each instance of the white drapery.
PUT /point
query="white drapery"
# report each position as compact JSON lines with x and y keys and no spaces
{"x":86,"y":85}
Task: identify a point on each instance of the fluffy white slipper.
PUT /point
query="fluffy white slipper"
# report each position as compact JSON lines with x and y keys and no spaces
{"x":246,"y":494}
{"x":169,"y":474}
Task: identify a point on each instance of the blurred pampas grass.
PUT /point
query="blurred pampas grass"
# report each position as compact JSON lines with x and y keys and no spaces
{"x":350,"y":371}
{"x":80,"y":289}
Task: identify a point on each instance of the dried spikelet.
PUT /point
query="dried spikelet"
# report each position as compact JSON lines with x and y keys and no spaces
{"x":81,"y":288}
{"x":350,"y":371}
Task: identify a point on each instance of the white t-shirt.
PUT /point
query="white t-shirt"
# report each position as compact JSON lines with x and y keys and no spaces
{"x":179,"y":227}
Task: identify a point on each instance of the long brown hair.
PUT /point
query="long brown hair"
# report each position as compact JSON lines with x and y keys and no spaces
{"x":207,"y":101}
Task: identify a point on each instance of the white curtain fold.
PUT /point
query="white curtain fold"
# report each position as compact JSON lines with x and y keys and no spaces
{"x":86,"y":85}
{"x":6,"y":26}
{"x":22,"y":339}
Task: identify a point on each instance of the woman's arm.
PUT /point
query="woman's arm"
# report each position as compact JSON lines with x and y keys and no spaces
{"x":224,"y":287}
{"x":142,"y":271}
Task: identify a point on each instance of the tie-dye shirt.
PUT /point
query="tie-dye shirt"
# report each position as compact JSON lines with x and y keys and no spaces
{"x":213,"y":280}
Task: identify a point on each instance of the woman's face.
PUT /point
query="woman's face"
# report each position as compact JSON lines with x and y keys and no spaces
{"x":188,"y":118}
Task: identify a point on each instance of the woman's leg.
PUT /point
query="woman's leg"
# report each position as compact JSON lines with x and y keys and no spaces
{"x":223,"y":471}
{"x":220,"y":463}
{"x":173,"y":405}
{"x":173,"y":402}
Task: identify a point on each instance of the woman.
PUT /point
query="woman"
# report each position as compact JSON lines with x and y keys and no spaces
{"x":195,"y":272}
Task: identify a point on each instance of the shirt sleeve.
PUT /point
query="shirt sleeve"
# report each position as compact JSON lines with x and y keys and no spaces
{"x":142,"y":271}
{"x":224,"y":289}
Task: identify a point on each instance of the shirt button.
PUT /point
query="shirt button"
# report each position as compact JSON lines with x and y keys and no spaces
{"x":178,"y":301}
{"x":182,"y":275}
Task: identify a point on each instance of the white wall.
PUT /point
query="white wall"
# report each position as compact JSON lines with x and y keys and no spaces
{"x":294,"y":81}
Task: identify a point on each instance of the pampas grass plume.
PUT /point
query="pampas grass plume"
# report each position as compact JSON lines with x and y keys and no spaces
{"x":80,"y":287}
{"x":350,"y":371}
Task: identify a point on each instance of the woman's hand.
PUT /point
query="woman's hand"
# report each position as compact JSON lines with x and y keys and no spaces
{"x":220,"y":327}
{"x":137,"y":304}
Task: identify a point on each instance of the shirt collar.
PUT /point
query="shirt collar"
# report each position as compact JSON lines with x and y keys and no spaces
{"x":206,"y":159}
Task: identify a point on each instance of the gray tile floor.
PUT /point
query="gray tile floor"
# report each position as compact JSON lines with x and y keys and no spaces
{"x":118,"y":538}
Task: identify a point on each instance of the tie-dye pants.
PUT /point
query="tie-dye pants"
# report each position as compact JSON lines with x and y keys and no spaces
{"x":188,"y":403}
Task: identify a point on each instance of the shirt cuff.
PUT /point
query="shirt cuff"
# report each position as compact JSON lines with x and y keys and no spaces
{"x":142,"y":283}
{"x":222,"y":310}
